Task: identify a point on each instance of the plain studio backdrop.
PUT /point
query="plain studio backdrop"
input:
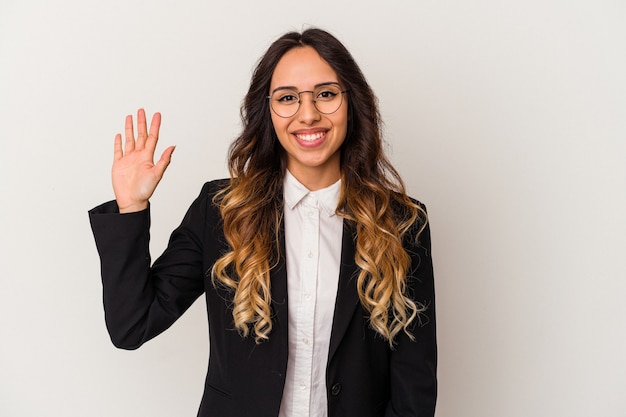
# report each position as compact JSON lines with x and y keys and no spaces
{"x":506,"y":118}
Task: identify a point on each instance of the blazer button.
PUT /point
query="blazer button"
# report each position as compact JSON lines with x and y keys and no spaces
{"x":336,"y":389}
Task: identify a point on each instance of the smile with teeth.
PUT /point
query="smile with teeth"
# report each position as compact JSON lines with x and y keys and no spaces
{"x":310,"y":137}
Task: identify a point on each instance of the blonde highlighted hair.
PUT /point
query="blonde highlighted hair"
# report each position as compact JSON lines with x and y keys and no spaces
{"x":373,"y":199}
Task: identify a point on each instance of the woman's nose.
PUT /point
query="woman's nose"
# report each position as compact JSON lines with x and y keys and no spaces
{"x":307,"y":112}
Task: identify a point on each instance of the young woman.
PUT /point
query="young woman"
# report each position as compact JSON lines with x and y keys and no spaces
{"x":314,"y":262}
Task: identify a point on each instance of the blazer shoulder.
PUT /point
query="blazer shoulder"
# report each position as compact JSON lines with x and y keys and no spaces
{"x":211,"y":188}
{"x":403,"y":211}
{"x":208,"y":192}
{"x":417,"y":237}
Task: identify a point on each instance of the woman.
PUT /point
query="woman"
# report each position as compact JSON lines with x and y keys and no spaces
{"x":314,"y":262}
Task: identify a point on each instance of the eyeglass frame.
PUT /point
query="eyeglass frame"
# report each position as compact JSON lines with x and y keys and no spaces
{"x":312,"y":98}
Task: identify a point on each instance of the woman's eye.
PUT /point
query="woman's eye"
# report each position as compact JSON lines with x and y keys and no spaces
{"x":288,"y":98}
{"x":326,"y":94}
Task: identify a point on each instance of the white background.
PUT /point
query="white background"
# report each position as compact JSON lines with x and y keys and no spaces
{"x":507,"y":118}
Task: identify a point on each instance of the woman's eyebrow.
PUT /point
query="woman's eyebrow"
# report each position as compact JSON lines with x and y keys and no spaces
{"x":291,"y":87}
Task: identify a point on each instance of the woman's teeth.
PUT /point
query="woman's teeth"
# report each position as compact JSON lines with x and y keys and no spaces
{"x":311,"y":137}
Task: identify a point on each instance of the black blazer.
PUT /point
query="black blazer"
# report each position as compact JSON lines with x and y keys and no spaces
{"x":364,"y":377}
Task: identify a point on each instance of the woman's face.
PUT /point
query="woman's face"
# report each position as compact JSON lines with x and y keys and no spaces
{"x":311,"y":139}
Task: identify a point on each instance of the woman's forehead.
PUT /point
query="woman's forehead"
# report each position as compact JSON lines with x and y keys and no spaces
{"x":302,"y":68}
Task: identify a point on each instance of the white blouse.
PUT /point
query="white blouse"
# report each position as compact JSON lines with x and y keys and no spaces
{"x":313,"y":235}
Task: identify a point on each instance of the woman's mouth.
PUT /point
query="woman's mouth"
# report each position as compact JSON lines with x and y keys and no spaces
{"x":310,"y":137}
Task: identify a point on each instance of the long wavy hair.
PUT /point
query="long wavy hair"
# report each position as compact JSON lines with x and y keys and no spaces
{"x":373,"y":198}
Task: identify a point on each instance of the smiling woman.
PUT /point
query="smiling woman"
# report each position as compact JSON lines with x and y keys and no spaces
{"x":311,"y":250}
{"x":311,"y":138}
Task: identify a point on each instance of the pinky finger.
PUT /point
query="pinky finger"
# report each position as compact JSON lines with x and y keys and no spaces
{"x":117,"y":148}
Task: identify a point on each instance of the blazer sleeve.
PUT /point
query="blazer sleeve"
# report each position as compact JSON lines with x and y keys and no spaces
{"x":413,"y":363}
{"x":140,"y":300}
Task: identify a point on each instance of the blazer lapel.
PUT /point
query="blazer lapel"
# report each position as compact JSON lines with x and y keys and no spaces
{"x":347,"y":296}
{"x":279,"y":296}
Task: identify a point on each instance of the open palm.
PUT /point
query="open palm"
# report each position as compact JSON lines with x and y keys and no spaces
{"x":135,"y":175}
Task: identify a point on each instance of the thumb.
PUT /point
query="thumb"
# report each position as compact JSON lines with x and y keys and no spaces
{"x":166,"y":158}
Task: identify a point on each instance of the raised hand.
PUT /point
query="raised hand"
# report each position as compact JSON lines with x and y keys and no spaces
{"x":134,"y":173}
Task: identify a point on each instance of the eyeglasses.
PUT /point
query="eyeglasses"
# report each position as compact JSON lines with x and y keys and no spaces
{"x":327,"y":99}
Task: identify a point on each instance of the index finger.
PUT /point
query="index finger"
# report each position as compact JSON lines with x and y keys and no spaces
{"x":153,"y":135}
